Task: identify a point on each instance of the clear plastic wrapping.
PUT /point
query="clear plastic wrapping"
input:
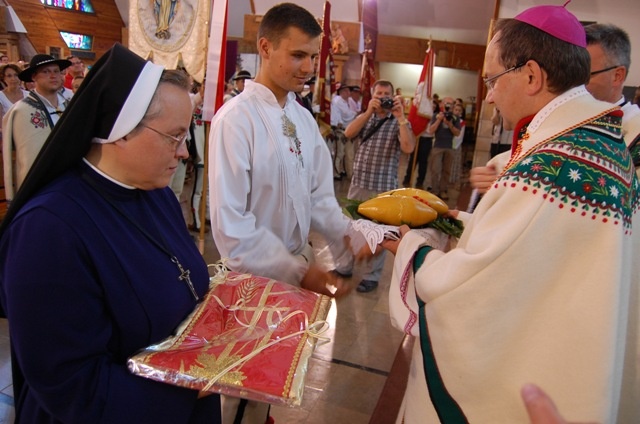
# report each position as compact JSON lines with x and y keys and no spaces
{"x":251,"y":337}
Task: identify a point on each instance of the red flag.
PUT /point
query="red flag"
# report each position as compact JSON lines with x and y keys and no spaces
{"x":325,"y":80}
{"x":215,"y":81}
{"x":369,"y":37}
{"x":421,"y":108}
{"x":367,"y":78}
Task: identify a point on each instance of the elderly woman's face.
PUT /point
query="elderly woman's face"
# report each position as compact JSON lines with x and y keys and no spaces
{"x":148,"y":158}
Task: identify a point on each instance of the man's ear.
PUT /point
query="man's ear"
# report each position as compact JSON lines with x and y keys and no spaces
{"x":536,"y":77}
{"x":264,"y":48}
{"x":620,"y":75}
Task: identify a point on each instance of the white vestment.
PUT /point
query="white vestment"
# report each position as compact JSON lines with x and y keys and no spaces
{"x":265,"y":197}
{"x":541,"y":288}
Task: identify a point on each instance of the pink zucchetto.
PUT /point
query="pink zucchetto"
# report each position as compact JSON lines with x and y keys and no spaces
{"x":556,"y":21}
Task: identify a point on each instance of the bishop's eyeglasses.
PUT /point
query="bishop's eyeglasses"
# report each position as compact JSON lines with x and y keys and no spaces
{"x":490,"y":82}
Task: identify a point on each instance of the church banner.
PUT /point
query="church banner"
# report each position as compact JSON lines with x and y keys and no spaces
{"x":216,"y":61}
{"x":325,"y":84}
{"x":170,"y":33}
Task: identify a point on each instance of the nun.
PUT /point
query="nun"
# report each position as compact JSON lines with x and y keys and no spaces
{"x":96,"y":260}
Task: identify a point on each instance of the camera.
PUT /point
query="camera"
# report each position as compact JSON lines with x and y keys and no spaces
{"x":386,"y":103}
{"x":448,"y":115}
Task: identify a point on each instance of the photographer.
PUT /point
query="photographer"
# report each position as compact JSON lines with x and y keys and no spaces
{"x":444,"y":126}
{"x":383,"y":133}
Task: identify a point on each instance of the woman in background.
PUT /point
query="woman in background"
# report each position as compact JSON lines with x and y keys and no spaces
{"x":12,"y":91}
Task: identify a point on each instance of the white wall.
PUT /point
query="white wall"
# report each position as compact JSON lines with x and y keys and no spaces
{"x":341,"y":10}
{"x":447,"y":82}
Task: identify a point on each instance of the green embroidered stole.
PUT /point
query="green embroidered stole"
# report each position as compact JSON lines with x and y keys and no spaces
{"x":446,"y":407}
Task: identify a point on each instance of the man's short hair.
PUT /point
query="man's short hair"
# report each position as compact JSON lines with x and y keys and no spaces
{"x":566,"y":64}
{"x":614,"y":42}
{"x":277,"y":21}
{"x":383,"y":83}
{"x":71,"y":56}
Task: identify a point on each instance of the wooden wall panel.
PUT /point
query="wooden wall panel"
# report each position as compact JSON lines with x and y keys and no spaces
{"x":44,"y":23}
{"x":390,"y":48}
{"x":350,"y":31}
{"x":395,"y":49}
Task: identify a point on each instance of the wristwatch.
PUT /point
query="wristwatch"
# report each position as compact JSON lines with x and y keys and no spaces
{"x":405,"y":122}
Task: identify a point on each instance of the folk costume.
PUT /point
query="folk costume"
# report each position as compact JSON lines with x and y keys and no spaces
{"x":6,"y":104}
{"x":509,"y":305}
{"x":631,"y":130}
{"x":25,"y":128}
{"x":341,"y":116}
{"x":94,"y":270}
{"x":199,"y":142}
{"x":270,"y":185}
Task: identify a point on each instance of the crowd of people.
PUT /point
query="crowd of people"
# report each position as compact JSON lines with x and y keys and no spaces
{"x":33,"y":98}
{"x":542,"y":289}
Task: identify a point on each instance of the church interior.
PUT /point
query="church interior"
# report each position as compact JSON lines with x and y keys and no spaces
{"x":359,"y":376}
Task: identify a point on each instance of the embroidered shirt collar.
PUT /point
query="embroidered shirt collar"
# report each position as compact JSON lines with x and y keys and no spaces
{"x":544,"y":113}
{"x":51,"y":108}
{"x":264,"y":92}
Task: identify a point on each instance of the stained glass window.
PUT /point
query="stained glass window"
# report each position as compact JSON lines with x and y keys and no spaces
{"x":79,"y":5}
{"x":77,"y":41}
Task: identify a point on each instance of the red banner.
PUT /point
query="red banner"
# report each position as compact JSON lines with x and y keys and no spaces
{"x":325,"y":81}
{"x":216,"y":54}
{"x":369,"y":38}
{"x":367,"y":78}
{"x":421,"y":107}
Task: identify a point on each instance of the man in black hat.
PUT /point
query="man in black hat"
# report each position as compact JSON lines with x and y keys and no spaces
{"x":238,"y":83}
{"x":28,"y":124}
{"x":355,"y":101}
{"x":306,"y":100}
{"x":96,"y":261}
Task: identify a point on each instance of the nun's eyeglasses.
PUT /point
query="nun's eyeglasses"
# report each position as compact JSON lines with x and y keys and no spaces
{"x":177,"y":141}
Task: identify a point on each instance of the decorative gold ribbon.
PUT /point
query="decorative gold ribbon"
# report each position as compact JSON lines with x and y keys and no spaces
{"x":314,"y":330}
